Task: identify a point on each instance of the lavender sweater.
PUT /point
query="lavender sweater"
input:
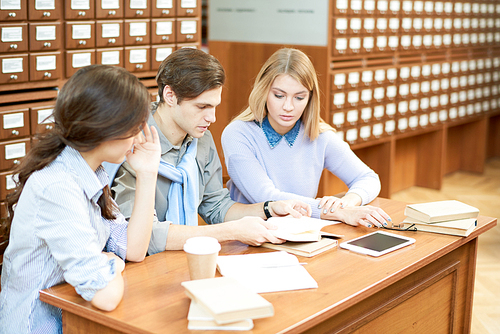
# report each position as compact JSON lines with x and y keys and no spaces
{"x":291,"y":169}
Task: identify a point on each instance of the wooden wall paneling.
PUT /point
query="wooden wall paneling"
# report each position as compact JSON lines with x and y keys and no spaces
{"x":493,"y":141}
{"x":430,"y":162}
{"x":405,"y":164}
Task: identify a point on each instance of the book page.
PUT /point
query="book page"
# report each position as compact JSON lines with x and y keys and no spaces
{"x":267,"y":272}
{"x":299,"y":229}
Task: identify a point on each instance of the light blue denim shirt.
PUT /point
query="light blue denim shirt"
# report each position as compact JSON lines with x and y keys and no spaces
{"x":57,"y":235}
{"x":273,"y":138}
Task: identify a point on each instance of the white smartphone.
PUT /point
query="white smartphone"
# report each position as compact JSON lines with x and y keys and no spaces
{"x":377,"y":243}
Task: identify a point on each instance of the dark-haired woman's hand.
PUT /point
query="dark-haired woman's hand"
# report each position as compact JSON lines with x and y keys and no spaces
{"x":146,"y":155}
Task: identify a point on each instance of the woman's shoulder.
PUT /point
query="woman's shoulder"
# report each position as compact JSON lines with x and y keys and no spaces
{"x":238,"y":126}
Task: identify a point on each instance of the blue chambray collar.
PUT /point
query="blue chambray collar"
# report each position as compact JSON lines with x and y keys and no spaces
{"x":273,"y":138}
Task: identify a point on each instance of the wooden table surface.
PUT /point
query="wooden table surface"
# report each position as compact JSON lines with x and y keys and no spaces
{"x":155,"y":302}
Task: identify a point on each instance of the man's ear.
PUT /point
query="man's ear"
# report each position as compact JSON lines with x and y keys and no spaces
{"x":169,"y":96}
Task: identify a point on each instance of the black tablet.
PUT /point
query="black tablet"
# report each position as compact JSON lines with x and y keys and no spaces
{"x":377,"y":243}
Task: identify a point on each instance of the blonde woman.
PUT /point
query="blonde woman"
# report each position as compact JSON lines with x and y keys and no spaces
{"x":278,"y":147}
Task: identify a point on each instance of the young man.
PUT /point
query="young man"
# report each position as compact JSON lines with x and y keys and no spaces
{"x":190,"y":176}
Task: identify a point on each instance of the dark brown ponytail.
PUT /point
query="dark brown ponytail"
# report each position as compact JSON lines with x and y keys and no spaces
{"x":97,"y":104}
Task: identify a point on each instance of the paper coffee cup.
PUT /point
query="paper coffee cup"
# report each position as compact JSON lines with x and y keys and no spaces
{"x":202,"y":255}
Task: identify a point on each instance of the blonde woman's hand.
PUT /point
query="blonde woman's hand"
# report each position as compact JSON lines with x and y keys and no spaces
{"x":367,"y":215}
{"x":145,"y":157}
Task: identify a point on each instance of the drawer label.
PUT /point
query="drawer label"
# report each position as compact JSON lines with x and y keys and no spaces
{"x":12,"y":65}
{"x":45,"y":4}
{"x":45,"y":63}
{"x":14,"y":151}
{"x":45,"y":33}
{"x":11,"y":121}
{"x":110,"y":58}
{"x":12,"y":34}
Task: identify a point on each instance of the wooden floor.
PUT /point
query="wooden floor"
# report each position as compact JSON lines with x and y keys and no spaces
{"x":483,"y":192}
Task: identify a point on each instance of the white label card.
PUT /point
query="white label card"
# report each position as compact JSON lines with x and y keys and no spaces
{"x":138,"y":56}
{"x":378,"y":111}
{"x":366,"y":113}
{"x":188,"y":27}
{"x":164,"y":4}
{"x":138,"y":4}
{"x":378,"y":129}
{"x":14,"y":151}
{"x":352,"y":116}
{"x":364,"y":131}
{"x":45,"y":116}
{"x":81,"y":31}
{"x":339,"y":79}
{"x":110,"y":4}
{"x":110,"y":30}
{"x":110,"y":57}
{"x":390,"y":109}
{"x":45,"y":33}
{"x":351,"y":135}
{"x":12,"y":65}
{"x":10,"y":181}
{"x":81,"y":59}
{"x":10,"y":4}
{"x":164,"y":28}
{"x":341,"y":24}
{"x":80,"y":4}
{"x":138,"y":29}
{"x":162,"y":53}
{"x":390,"y":126}
{"x":45,"y":63}
{"x":12,"y":34}
{"x":11,"y":121}
{"x":338,"y":118}
{"x":188,"y":3}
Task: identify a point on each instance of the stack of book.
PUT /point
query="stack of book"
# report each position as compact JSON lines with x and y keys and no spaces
{"x":445,"y":217}
{"x":222,"y":303}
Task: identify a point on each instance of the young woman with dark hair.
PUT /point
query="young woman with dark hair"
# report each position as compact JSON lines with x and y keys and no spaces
{"x":65,"y":226}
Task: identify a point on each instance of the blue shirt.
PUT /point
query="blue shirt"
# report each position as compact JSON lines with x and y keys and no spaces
{"x":57,"y":235}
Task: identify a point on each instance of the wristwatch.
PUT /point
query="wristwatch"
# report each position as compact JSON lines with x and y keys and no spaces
{"x":266,"y":209}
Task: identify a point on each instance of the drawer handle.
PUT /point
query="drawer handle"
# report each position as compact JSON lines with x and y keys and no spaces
{"x":46,"y":14}
{"x":165,"y":12}
{"x":47,"y":44}
{"x":189,"y":11}
{"x":12,"y":15}
{"x":13,"y":77}
{"x":165,"y":38}
{"x":112,"y":12}
{"x":189,"y":36}
{"x":47,"y":74}
{"x":139,"y":12}
{"x":15,"y":132}
{"x":81,"y":13}
{"x":13,"y":46}
{"x":48,"y":127}
{"x":82,"y":42}
{"x":112,"y":41}
{"x":138,"y":66}
{"x":16,"y":162}
{"x":138,"y":39}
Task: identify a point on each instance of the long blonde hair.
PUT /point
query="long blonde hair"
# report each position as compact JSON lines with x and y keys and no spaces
{"x":298,"y":65}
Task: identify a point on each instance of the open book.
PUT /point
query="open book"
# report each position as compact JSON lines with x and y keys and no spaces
{"x":304,"y":229}
{"x":266,"y":272}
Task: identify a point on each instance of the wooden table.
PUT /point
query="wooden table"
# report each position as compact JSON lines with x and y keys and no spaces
{"x":424,"y":288}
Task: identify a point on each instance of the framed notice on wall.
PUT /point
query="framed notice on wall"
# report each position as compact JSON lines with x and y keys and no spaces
{"x":295,"y":22}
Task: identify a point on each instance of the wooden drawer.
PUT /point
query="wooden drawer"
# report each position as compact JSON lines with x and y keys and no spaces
{"x":45,"y":10}
{"x":137,"y":58}
{"x":137,"y":32}
{"x":163,"y":31}
{"x":14,"y":68}
{"x":109,"y":33}
{"x":137,"y":8}
{"x":79,"y":9}
{"x":159,"y":53}
{"x":41,"y":119}
{"x":163,"y":8}
{"x":12,"y":152}
{"x":80,"y":35}
{"x":112,"y":56}
{"x":14,"y":124}
{"x":188,"y":30}
{"x":13,"y":37}
{"x":188,"y":7}
{"x":7,"y":186}
{"x":16,"y":10}
{"x":45,"y":36}
{"x":109,"y":9}
{"x":46,"y":66}
{"x":77,"y":59}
